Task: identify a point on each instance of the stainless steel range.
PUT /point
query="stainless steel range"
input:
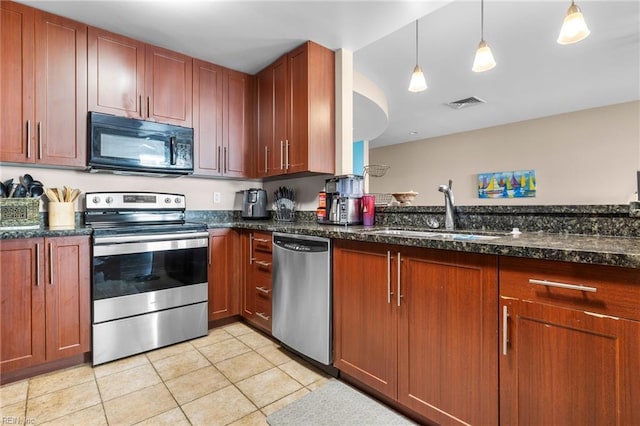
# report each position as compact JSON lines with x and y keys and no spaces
{"x":149,"y":273}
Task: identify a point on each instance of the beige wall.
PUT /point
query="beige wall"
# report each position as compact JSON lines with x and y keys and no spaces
{"x":584,"y":157}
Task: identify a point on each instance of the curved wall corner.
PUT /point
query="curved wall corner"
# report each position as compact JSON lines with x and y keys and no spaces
{"x":370,"y":110}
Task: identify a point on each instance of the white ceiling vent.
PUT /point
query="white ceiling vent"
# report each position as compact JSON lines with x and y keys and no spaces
{"x":467,"y":102}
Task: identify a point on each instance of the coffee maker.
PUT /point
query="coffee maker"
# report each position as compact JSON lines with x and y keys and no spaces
{"x":343,"y":200}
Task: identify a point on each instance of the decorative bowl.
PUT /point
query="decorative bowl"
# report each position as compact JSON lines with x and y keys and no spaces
{"x":405,"y":198}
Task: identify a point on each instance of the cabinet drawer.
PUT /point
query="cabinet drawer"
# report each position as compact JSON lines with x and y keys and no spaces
{"x":261,"y":242}
{"x":600,"y":289}
{"x":263,"y":311}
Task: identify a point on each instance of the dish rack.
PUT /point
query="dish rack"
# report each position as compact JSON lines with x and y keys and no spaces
{"x":382,"y":199}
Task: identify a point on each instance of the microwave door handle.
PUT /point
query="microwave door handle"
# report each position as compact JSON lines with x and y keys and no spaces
{"x":172,"y":150}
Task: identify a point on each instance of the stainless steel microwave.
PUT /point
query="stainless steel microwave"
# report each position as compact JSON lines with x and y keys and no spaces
{"x":126,"y":145}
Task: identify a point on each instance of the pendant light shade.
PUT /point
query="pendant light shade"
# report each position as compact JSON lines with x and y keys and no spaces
{"x":574,"y":28}
{"x":418,"y":83}
{"x":484,"y":58}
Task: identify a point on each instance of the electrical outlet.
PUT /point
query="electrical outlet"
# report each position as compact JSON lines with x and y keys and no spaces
{"x":217,"y":198}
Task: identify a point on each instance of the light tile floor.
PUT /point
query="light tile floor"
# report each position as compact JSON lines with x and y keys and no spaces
{"x":233,"y":376}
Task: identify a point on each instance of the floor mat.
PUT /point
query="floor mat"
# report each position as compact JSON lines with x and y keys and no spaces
{"x":336,"y":403}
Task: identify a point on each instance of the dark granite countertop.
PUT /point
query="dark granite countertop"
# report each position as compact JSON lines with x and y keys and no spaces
{"x":615,"y":251}
{"x":593,"y":249}
{"x":43,"y":231}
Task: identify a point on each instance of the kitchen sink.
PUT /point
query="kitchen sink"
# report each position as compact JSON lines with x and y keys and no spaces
{"x":458,"y":236}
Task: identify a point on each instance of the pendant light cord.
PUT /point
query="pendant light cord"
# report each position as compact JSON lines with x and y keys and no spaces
{"x":416,"y":42}
{"x":481,"y":20}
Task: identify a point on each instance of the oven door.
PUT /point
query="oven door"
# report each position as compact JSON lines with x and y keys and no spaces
{"x":134,"y":274}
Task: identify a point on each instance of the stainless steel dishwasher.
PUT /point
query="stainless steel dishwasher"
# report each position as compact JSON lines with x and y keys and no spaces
{"x":302,"y":295}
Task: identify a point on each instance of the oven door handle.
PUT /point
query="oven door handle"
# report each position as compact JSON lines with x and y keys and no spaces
{"x":149,"y":246}
{"x":118,"y":239}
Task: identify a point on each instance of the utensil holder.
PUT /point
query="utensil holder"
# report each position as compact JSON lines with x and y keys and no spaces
{"x":62,"y":215}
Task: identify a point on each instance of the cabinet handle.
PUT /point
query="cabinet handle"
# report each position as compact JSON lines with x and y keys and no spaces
{"x":281,"y":154}
{"x":210,"y":249}
{"x":263,"y":290}
{"x":266,"y":159}
{"x":400,"y":296}
{"x":250,"y":249}
{"x":286,"y":155}
{"x":389,"y":292}
{"x":505,"y":332}
{"x":140,"y":107}
{"x":262,"y":263}
{"x":263,"y":316}
{"x":563,"y":285}
{"x":39,"y":140}
{"x":148,"y":106}
{"x":226,"y":159}
{"x":261,"y":240}
{"x":28,"y":138}
{"x":37,"y":265}
{"x":51,"y":260}
{"x":219,"y":169}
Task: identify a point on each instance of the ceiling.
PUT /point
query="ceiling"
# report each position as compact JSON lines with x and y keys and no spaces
{"x":535,"y":77}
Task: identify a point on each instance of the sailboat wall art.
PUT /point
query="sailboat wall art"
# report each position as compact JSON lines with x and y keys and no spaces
{"x":515,"y":184}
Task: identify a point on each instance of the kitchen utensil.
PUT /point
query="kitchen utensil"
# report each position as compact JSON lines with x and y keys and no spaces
{"x":26,"y":180}
{"x":3,"y":190}
{"x":52,"y":195}
{"x":36,"y":191}
{"x":20,"y":191}
{"x":12,"y":190}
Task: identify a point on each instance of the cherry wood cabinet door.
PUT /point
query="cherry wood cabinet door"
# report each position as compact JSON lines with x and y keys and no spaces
{"x":311,"y":122}
{"x":236,"y":148}
{"x":365,"y":337}
{"x":265,"y":135}
{"x":224,"y":291}
{"x":16,"y":83}
{"x":568,"y":367}
{"x":207,"y":118}
{"x":281,"y":108}
{"x":115,"y":74}
{"x":61,"y":90}
{"x":169,"y":86}
{"x":22,"y":317}
{"x":448,"y":335}
{"x":68,"y":298}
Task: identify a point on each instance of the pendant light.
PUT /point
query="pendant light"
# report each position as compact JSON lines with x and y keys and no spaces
{"x":484,"y":58}
{"x":574,"y":28}
{"x":418,"y":83}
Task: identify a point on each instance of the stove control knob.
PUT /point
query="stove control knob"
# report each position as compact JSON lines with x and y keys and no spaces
{"x":167,"y":200}
{"x":177,"y":200}
{"x":95,"y":200}
{"x":109,"y":200}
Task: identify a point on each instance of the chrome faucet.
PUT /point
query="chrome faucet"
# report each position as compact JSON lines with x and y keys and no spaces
{"x":449,"y":223}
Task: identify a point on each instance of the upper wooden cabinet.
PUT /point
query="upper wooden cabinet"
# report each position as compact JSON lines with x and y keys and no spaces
{"x":295,"y":113}
{"x":44,"y":83}
{"x":131,"y":79}
{"x":221,"y":121}
{"x":570,"y":343}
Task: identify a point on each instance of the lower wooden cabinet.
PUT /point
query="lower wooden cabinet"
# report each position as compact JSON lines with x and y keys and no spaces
{"x":570,"y":344}
{"x":257,"y":285}
{"x":224,"y":294}
{"x":45,"y":299}
{"x":420,"y":327}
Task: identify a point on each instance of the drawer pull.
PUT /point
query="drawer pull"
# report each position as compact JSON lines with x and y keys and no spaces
{"x":389,"y":292}
{"x":263,"y":316}
{"x":262,"y":263}
{"x":505,"y":333}
{"x":261,"y":240}
{"x":263,"y":290}
{"x":563,"y":285}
